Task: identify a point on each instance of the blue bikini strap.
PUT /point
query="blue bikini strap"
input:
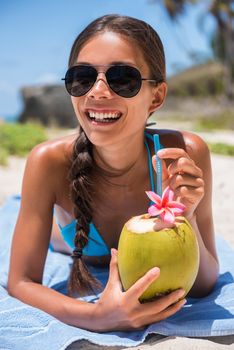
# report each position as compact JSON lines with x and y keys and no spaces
{"x":157,"y":147}
{"x":150,"y":166}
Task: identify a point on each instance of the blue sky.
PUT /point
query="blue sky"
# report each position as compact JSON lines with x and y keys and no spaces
{"x":36,"y":37}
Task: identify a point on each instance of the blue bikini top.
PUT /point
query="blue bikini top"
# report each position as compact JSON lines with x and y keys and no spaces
{"x":96,"y":245}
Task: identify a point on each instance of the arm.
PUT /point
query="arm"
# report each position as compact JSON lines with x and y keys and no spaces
{"x":31,"y":240}
{"x":202,"y":220}
{"x":29,"y":250}
{"x":190,"y":176}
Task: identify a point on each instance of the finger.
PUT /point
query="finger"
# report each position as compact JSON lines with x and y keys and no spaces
{"x":178,"y":180}
{"x":171,"y":310}
{"x":164,"y":302}
{"x":172,"y":153}
{"x":162,"y":308}
{"x":189,"y":194}
{"x":184,"y":165}
{"x":143,"y":283}
{"x":113,"y":271}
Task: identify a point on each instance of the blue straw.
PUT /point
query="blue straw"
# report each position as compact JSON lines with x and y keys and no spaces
{"x":157,"y":147}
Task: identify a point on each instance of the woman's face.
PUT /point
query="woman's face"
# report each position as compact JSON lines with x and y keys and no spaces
{"x":129,"y":115}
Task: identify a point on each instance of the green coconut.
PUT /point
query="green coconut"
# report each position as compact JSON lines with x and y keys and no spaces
{"x":174,"y":250}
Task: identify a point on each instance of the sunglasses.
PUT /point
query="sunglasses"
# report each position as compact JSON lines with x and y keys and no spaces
{"x":124,"y":80}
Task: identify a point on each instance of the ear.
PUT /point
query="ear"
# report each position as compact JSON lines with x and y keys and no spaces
{"x":159,"y":94}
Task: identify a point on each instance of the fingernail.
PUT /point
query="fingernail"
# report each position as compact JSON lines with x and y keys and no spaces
{"x":113,"y":252}
{"x":181,"y":292}
{"x":183,"y":302}
{"x":155,"y":271}
{"x":159,"y":152}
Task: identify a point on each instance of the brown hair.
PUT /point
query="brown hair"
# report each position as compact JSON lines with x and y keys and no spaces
{"x":147,"y":39}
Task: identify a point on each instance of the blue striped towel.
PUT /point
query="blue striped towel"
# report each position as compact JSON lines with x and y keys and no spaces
{"x":24,"y":327}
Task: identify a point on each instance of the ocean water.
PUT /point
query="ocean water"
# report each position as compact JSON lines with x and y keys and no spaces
{"x":9,"y":118}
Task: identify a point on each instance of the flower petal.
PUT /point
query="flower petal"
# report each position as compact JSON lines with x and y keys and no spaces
{"x":175,"y":204}
{"x":167,"y":196}
{"x":168,"y":216}
{"x":170,"y":195}
{"x":154,"y":198}
{"x":176,"y":211}
{"x":154,"y":211}
{"x":165,"y":206}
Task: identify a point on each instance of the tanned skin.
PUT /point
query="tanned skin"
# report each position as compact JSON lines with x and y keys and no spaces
{"x":117,"y":148}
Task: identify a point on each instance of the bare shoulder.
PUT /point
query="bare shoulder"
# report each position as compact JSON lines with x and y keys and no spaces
{"x":169,"y":137}
{"x":48,"y":165}
{"x":53,"y":151}
{"x":196,"y":147}
{"x":192,"y":143}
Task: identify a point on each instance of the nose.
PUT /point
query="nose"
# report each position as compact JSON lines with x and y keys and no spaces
{"x":100,"y":89}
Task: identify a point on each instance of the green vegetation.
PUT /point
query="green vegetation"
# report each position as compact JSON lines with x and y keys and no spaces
{"x":222,"y":148}
{"x":3,"y":156}
{"x":19,"y":139}
{"x":222,"y":121}
{"x":201,"y":80}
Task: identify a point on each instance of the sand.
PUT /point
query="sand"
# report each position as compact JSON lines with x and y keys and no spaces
{"x":223,"y":198}
{"x":223,"y":190}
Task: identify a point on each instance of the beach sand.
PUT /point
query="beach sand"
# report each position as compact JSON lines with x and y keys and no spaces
{"x":223,"y":197}
{"x":223,"y":190}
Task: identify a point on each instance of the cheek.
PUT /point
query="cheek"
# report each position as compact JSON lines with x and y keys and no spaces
{"x":140,"y":108}
{"x":74,"y":103}
{"x":136,"y":118}
{"x":76,"y":106}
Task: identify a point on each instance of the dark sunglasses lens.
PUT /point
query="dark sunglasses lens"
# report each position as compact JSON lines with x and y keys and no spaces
{"x":124,"y":80}
{"x":80,"y":79}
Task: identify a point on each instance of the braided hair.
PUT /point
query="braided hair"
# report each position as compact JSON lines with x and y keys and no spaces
{"x":81,"y":187}
{"x":147,"y":39}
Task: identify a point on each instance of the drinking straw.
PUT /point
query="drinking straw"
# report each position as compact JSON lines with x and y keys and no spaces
{"x":157,"y":147}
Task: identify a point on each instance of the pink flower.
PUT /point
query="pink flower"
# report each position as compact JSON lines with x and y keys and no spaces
{"x":165,"y":206}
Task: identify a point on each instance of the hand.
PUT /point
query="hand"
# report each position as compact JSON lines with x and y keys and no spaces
{"x":183,"y":177}
{"x":118,"y":310}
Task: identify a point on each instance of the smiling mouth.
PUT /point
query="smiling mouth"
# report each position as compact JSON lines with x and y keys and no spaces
{"x":101,"y":117}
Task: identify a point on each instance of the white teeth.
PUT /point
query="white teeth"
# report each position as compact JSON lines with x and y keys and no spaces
{"x":103,"y":116}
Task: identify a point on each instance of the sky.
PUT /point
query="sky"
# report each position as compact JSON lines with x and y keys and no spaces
{"x":36,"y":38}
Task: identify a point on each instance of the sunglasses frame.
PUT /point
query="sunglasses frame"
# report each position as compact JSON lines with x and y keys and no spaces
{"x":138,"y":75}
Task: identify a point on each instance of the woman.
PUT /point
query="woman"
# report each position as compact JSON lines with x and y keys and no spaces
{"x":96,"y":180}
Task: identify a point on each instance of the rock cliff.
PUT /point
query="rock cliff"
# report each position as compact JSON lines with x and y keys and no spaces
{"x":49,"y":105}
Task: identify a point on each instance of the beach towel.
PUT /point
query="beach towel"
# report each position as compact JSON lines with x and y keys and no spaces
{"x":24,"y":327}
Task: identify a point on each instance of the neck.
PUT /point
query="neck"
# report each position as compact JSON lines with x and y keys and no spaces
{"x":123,"y":160}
